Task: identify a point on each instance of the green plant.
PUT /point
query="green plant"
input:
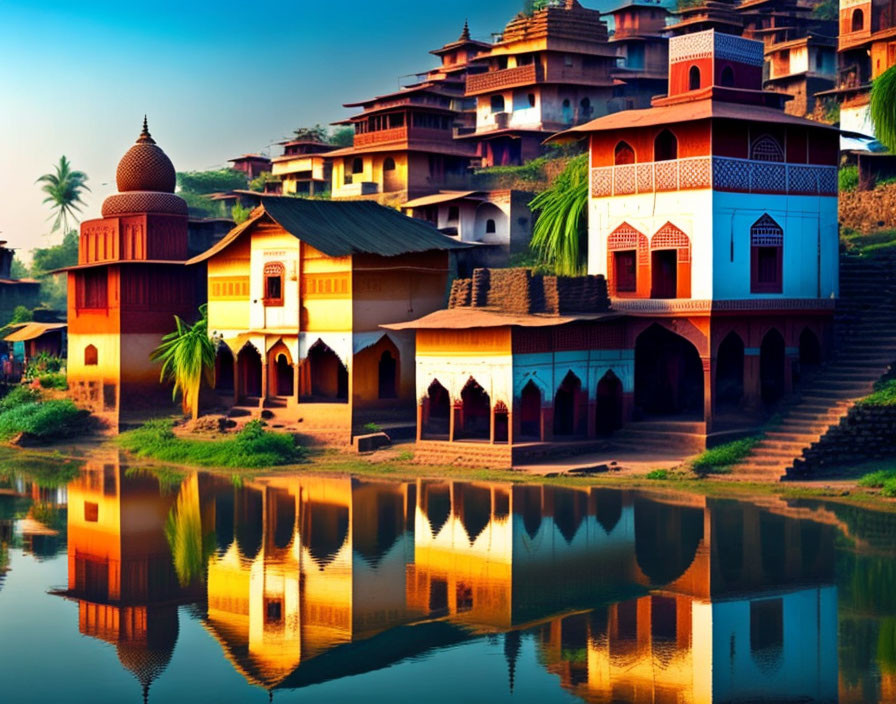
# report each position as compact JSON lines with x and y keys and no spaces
{"x":239,"y":213}
{"x":64,"y":188}
{"x":884,"y":394}
{"x":883,"y":107}
{"x":883,"y":479}
{"x":658,"y":474}
{"x":372,"y":428}
{"x":342,"y":137}
{"x":317,"y":133}
{"x":53,"y":380}
{"x":188,"y":357}
{"x":42,"y":363}
{"x":530,"y":171}
{"x":18,"y":396}
{"x":47,"y":420}
{"x":405,"y":456}
{"x":848,"y":178}
{"x":718,"y":460}
{"x":257,"y":183}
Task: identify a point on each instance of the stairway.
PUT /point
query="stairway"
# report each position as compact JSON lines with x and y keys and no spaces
{"x":865,"y":331}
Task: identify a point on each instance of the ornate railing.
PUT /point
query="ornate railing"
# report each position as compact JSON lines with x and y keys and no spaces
{"x":504,"y":78}
{"x":720,"y":173}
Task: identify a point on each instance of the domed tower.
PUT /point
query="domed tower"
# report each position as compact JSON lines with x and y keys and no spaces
{"x":129,"y":282}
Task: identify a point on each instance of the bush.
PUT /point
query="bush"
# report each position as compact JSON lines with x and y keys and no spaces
{"x":41,"y":364}
{"x":658,"y":474}
{"x":718,"y":460}
{"x":252,"y":447}
{"x":883,"y":479}
{"x":372,"y":428}
{"x":54,"y":380}
{"x":47,"y":420}
{"x":884,"y":394}
{"x":18,"y":396}
{"x":848,"y":178}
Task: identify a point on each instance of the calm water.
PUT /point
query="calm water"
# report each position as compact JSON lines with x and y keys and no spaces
{"x":118,"y":585}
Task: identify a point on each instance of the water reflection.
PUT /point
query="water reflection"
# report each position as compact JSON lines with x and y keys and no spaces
{"x":625,"y":595}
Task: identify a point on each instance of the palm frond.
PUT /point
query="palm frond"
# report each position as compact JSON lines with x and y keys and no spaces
{"x":560,"y":229}
{"x":883,"y":107}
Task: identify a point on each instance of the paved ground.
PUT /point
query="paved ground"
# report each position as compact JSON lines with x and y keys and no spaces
{"x":625,"y":461}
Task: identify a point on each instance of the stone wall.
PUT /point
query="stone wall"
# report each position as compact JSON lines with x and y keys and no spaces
{"x":866,"y":211}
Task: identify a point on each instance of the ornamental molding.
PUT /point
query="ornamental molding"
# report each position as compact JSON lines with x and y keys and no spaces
{"x":706,"y":306}
{"x":709,"y":44}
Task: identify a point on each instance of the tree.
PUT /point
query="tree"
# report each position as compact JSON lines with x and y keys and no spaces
{"x":239,"y":214}
{"x":826,"y":10}
{"x":64,"y":189}
{"x":196,"y":186}
{"x":44,"y":259}
{"x":188,"y":356}
{"x":342,"y":137}
{"x":559,"y":236}
{"x":883,"y":108}
{"x":257,"y":183}
{"x":318,"y":133}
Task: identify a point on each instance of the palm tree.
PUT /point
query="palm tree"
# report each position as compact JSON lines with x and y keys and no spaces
{"x":63,"y":190}
{"x":561,"y":228}
{"x":883,"y":108}
{"x":188,"y":357}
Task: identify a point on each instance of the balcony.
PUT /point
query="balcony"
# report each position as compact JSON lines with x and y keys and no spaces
{"x":505,"y":78}
{"x":719,"y":173}
{"x":393,"y":134}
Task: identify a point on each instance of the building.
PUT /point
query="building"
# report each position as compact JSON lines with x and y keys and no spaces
{"x":304,"y":168}
{"x":642,"y":52}
{"x":253,"y":165}
{"x":295,"y":296}
{"x":546,"y":72}
{"x":719,"y":15}
{"x":15,"y":292}
{"x":129,"y":283}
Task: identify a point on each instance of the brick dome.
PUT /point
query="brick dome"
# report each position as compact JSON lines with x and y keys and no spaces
{"x":145,"y":167}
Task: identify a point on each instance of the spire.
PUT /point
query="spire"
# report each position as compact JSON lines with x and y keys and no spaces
{"x":465,"y":35}
{"x":145,"y":137}
{"x":511,"y":654}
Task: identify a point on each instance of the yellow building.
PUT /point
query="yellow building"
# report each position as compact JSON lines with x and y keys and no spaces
{"x":296,"y":294}
{"x":303,"y":168}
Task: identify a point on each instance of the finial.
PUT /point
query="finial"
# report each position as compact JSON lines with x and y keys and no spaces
{"x":145,"y":137}
{"x":465,"y":35}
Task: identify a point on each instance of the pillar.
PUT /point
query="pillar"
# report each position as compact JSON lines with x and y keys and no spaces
{"x":708,"y":391}
{"x":236,"y":381}
{"x":511,"y":432}
{"x":491,"y":426}
{"x":420,"y":419}
{"x":452,"y":413}
{"x":264,"y":384}
{"x":591,"y":430}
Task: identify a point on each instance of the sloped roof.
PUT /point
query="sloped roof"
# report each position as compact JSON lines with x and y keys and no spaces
{"x":340,"y":228}
{"x":467,"y":318}
{"x":31,"y":331}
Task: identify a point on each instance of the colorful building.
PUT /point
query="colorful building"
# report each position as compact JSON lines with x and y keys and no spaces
{"x":304,"y":168}
{"x":253,"y":165}
{"x":129,"y":282}
{"x":15,"y":292}
{"x":546,"y":72}
{"x":296,"y":294}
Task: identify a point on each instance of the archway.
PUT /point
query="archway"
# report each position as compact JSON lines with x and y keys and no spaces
{"x":530,"y":411}
{"x":623,"y":154}
{"x":91,"y":356}
{"x":388,"y":375}
{"x":727,"y":77}
{"x":281,"y":517}
{"x":223,"y":369}
{"x":324,"y":530}
{"x":810,"y":350}
{"x":858,"y":20}
{"x":249,"y":364}
{"x":436,"y":420}
{"x":608,"y":415}
{"x":666,"y":539}
{"x":327,"y":375}
{"x":772,"y":362}
{"x":668,"y":374}
{"x":490,"y":224}
{"x":283,"y":376}
{"x":730,"y":371}
{"x":568,"y":415}
{"x":665,"y":146}
{"x":475,"y":413}
{"x":694,"y":78}
{"x":501,"y":422}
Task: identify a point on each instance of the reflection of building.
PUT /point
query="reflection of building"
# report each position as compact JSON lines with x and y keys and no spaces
{"x":297,"y":292}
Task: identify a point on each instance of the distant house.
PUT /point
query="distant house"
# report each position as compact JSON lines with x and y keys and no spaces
{"x":304,"y":168}
{"x":15,"y":292}
{"x":253,"y":165}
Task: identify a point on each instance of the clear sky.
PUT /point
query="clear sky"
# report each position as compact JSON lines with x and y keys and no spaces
{"x":217,"y":79}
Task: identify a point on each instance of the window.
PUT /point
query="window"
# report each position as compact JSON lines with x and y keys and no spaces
{"x":273,"y":284}
{"x":531,"y":97}
{"x":858,"y":20}
{"x":453,"y":213}
{"x":357,"y":165}
{"x":694,"y":78}
{"x":567,"y":60}
{"x":389,"y":164}
{"x":766,"y":148}
{"x":585,"y":105}
{"x":728,"y":76}
{"x":91,"y":512}
{"x":90,"y":356}
{"x":497,"y":103}
{"x":273,"y":611}
{"x":665,"y":146}
{"x":92,"y":290}
{"x":625,"y":270}
{"x":766,"y":256}
{"x":489,"y":226}
{"x":624,"y":154}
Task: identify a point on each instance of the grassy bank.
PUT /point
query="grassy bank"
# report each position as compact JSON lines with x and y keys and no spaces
{"x":253,"y":447}
{"x":26,"y":414}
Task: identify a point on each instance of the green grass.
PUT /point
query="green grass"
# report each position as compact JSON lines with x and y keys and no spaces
{"x":371,"y":428}
{"x":252,"y":447}
{"x":658,"y":474}
{"x":53,"y":380}
{"x":18,"y":396}
{"x":883,"y":479}
{"x":884,"y":394}
{"x":868,"y":244}
{"x":44,"y":420}
{"x":848,"y":178}
{"x":718,"y":460}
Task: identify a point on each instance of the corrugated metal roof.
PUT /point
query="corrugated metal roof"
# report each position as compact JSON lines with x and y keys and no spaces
{"x":340,"y":228}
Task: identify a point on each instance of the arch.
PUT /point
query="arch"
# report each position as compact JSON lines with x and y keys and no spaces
{"x":668,"y":374}
{"x":473,"y":506}
{"x":475,"y":412}
{"x":325,"y":377}
{"x":569,"y":414}
{"x":727,"y":79}
{"x":623,"y":154}
{"x":501,"y":422}
{"x":437,"y":410}
{"x":810,"y":349}
{"x":223,"y":368}
{"x":766,"y":148}
{"x":282,"y":516}
{"x":527,"y":500}
{"x":566,"y":109}
{"x":858,"y":20}
{"x":284,"y":379}
{"x":224,"y":519}
{"x":730,"y":371}
{"x":569,"y":508}
{"x":324,"y":530}
{"x":585,"y":108}
{"x":766,"y":256}
{"x":608,"y":415}
{"x":489,"y":220}
{"x":772,"y":371}
{"x":387,"y":375}
{"x":357,"y":165}
{"x":383,"y":526}
{"x":389,"y":164}
{"x":670,"y":263}
{"x":436,"y":501}
{"x":607,"y":507}
{"x":694,"y":78}
{"x":666,"y":539}
{"x":249,"y":517}
{"x":627,"y":259}
{"x":665,"y":146}
{"x":530,"y":411}
{"x":91,"y":356}
{"x":728,"y":536}
{"x":249,"y":371}
{"x":497,"y":103}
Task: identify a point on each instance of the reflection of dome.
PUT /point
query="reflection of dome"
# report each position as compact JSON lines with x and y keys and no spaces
{"x":148,"y":657}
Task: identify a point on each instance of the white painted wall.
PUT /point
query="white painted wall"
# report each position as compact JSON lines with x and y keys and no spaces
{"x":547,"y":370}
{"x":494,"y":373}
{"x":855,"y":119}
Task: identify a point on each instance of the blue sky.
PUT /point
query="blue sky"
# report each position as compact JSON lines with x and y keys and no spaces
{"x":216,"y":79}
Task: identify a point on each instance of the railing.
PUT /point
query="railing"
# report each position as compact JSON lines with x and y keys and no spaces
{"x":719,"y":173}
{"x":504,"y":78}
{"x":394,"y":134}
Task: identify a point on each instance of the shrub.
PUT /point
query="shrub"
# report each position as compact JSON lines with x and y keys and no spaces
{"x":372,"y":428}
{"x":848,"y":178}
{"x":47,"y":420}
{"x":18,"y":396}
{"x":883,"y":479}
{"x":54,"y":380}
{"x":658,"y":474}
{"x":884,"y":394}
{"x":718,"y":460}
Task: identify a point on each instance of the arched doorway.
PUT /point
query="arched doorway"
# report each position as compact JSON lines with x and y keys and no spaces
{"x":388,"y":375}
{"x":249,"y":363}
{"x":327,"y":376}
{"x":475,"y":413}
{"x":730,"y":371}
{"x":436,"y":419}
{"x":623,"y":154}
{"x":284,"y":384}
{"x":568,"y":415}
{"x":668,"y":374}
{"x":530,"y":411}
{"x":223,"y":369}
{"x":609,"y":404}
{"x":772,"y":371}
{"x":665,"y":146}
{"x":810,"y":356}
{"x":501,"y":422}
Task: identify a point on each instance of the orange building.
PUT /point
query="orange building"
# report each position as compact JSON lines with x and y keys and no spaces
{"x":129,"y":282}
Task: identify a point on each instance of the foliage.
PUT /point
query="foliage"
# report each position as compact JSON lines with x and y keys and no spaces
{"x":342,"y":137}
{"x":257,"y":183}
{"x":188,"y":356}
{"x":372,"y":428}
{"x":215,"y":181}
{"x":49,"y":515}
{"x":530,"y":7}
{"x":530,"y":171}
{"x":883,"y":107}
{"x":658,"y":474}
{"x":45,"y":259}
{"x":18,"y":270}
{"x":317,"y":133}
{"x":53,"y":380}
{"x":719,"y":459}
{"x":18,"y":396}
{"x":884,"y":394}
{"x":45,"y":421}
{"x":41,"y":364}
{"x":252,"y":447}
{"x":871,"y":244}
{"x":883,"y":479}
{"x":559,"y":235}
{"x":404,"y":456}
{"x":239,"y":213}
{"x":20,"y":314}
{"x":190,"y":549}
{"x":64,"y":188}
{"x":848,"y":178}
{"x":202,"y":206}
{"x":826,"y":10}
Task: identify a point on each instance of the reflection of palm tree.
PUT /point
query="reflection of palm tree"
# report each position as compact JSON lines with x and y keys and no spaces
{"x":63,"y":189}
{"x":190,"y":549}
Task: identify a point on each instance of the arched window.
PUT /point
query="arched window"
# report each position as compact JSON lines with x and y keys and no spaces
{"x":766,"y":256}
{"x":858,"y":20}
{"x":627,"y":250}
{"x":489,"y":226}
{"x":273,"y":283}
{"x":665,"y":146}
{"x":497,"y":103}
{"x":567,"y":111}
{"x":766,"y":148}
{"x":694,"y":78}
{"x":585,"y":105}
{"x":728,"y":76}
{"x":389,"y":164}
{"x":90,"y":356}
{"x":624,"y":154}
{"x":357,"y":165}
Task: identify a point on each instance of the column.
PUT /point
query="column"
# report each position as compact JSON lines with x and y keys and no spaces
{"x":491,"y":426}
{"x":264,"y":384}
{"x":236,"y":382}
{"x":708,"y":391}
{"x":452,"y":412}
{"x":420,"y":417}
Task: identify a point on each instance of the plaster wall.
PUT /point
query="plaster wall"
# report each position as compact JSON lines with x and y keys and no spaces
{"x":547,"y":370}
